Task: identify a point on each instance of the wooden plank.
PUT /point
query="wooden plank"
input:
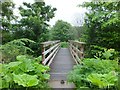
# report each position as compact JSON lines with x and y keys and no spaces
{"x":51,"y":47}
{"x":45,"y":61}
{"x":61,"y":65}
{"x":47,"y":51}
{"x":50,"y":43}
{"x":77,"y":49}
{"x":73,"y":56}
{"x":76,"y":42}
{"x":53,"y":57}
{"x":76,"y":56}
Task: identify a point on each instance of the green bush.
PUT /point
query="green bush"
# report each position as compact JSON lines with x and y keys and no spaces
{"x":64,"y":44}
{"x":26,"y":72}
{"x":103,"y":53}
{"x":95,"y":73}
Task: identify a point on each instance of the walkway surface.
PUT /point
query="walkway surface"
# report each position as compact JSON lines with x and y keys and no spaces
{"x":60,"y":67}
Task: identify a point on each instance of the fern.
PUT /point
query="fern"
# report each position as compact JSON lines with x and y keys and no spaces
{"x":13,"y":48}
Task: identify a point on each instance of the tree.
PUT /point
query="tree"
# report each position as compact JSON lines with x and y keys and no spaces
{"x":80,"y":33}
{"x":62,"y":31}
{"x":34,"y":20}
{"x":6,"y":19}
{"x":33,"y":24}
{"x":103,"y":23}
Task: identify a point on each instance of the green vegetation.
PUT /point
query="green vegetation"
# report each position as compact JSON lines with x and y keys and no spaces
{"x":64,"y":44}
{"x":20,"y":51}
{"x":10,"y":50}
{"x":96,"y":73}
{"x":101,"y":30}
{"x":33,"y":24}
{"x":24,"y":73}
{"x":6,"y":17}
{"x":102,"y":24}
{"x":62,"y":31}
{"x":21,"y":38}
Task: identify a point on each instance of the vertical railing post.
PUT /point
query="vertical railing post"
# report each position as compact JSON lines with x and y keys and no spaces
{"x":82,"y":50}
{"x":72,"y":46}
{"x":77,"y":50}
{"x":43,"y":49}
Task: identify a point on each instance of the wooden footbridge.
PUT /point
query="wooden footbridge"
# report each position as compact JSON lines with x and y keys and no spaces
{"x":61,"y":61}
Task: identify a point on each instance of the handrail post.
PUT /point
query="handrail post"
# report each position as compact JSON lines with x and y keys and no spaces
{"x":77,"y":50}
{"x":43,"y":49}
{"x":82,"y":50}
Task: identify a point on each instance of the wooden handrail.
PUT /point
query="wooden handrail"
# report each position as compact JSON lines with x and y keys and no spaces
{"x":77,"y":50}
{"x":49,"y":50}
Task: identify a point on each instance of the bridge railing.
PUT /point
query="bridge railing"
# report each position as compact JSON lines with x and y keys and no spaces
{"x":77,"y":50}
{"x":49,"y":50}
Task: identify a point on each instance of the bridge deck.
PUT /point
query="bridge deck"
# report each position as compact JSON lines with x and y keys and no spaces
{"x":61,"y":65}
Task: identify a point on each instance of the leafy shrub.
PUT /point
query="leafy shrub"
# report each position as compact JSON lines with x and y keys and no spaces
{"x":64,"y":44}
{"x":96,"y":72}
{"x":104,"y":53}
{"x":25,"y":72}
{"x":10,"y":50}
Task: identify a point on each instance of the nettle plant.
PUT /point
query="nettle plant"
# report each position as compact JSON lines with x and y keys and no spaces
{"x":99,"y":72}
{"x":26,"y":73}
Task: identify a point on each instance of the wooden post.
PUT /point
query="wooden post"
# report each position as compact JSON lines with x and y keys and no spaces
{"x":82,"y":50}
{"x":77,"y":50}
{"x":43,"y":49}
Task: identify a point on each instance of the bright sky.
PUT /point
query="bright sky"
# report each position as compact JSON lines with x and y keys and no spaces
{"x":67,"y":10}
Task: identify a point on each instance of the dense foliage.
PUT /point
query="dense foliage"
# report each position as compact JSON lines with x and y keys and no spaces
{"x":102,"y":24}
{"x":62,"y":31}
{"x":24,"y":73}
{"x":64,"y":44}
{"x":34,"y":20}
{"x":100,"y":31}
{"x":10,"y":50}
{"x":6,"y":18}
{"x":21,"y":38}
{"x":96,"y":73}
{"x":32,"y":24}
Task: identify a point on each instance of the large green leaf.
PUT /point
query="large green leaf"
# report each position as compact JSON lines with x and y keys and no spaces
{"x":103,"y":80}
{"x":40,"y":68}
{"x":27,"y":64}
{"x":26,"y":80}
{"x":96,"y":79}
